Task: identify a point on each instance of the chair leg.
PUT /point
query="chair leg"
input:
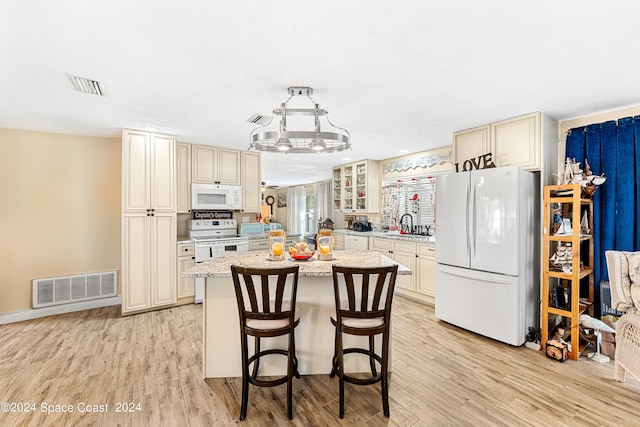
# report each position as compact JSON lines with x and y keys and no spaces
{"x":334,"y":361}
{"x":619,"y":373}
{"x":384,"y":381}
{"x":296,"y":372}
{"x":340,"y":368}
{"x":372,"y":361}
{"x":384,"y":389}
{"x":341,"y":378}
{"x":256,"y":363}
{"x":245,"y":381}
{"x":290,"y":374}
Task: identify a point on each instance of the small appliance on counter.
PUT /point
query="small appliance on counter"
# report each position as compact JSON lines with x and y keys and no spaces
{"x":361,"y":226}
{"x":253,"y":230}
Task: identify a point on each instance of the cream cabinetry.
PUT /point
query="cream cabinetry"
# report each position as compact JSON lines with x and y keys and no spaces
{"x":516,"y":142}
{"x":148,"y":261}
{"x":215,"y":165}
{"x":186,"y":260}
{"x":470,"y":144}
{"x":148,"y":172}
{"x":356,"y":243}
{"x":426,"y":270}
{"x":339,"y":241}
{"x":251,"y":181}
{"x":419,"y":257}
{"x":183,"y":177}
{"x":148,"y":221}
{"x":513,"y":142}
{"x":356,"y":187}
{"x":258,"y":244}
{"x":402,"y":251}
{"x":405,"y":253}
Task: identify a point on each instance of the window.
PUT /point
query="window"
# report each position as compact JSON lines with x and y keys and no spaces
{"x":309,"y":226}
{"x":415,"y":196}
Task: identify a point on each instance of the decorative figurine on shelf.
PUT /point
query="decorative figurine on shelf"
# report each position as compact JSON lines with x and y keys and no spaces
{"x":570,"y":173}
{"x":561,"y":260}
{"x":584,"y":224}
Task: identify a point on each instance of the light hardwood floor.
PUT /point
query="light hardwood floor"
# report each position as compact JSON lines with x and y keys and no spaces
{"x":442,"y":376}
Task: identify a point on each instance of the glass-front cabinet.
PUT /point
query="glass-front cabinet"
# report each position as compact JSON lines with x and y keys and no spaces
{"x":348,"y":188}
{"x":359,"y":189}
{"x":337,"y":189}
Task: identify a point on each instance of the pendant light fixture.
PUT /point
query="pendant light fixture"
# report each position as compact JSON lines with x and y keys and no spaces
{"x":299,"y":141}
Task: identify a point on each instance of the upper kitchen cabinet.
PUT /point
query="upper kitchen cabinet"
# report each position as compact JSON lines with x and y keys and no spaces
{"x":516,"y":142}
{"x":521,"y":141}
{"x":148,"y":171}
{"x":359,"y":188}
{"x":250,"y":165}
{"x":215,"y":165}
{"x":336,"y":187}
{"x":183,"y":177}
{"x":470,"y":143}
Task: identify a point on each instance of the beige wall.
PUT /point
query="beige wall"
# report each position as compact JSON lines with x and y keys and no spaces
{"x":60,"y":209}
{"x":598,"y":118}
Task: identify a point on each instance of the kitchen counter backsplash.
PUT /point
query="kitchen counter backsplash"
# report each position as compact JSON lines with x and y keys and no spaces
{"x":410,"y":237}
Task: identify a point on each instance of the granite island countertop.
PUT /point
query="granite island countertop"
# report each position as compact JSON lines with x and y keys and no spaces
{"x":220,"y":264}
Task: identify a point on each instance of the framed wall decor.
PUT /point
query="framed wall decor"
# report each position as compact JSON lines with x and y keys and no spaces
{"x":282,"y":200}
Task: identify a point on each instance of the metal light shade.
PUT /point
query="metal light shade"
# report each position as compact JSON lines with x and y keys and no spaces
{"x":300,"y":141}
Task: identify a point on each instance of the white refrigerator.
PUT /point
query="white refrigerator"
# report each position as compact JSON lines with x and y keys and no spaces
{"x":487,"y":275}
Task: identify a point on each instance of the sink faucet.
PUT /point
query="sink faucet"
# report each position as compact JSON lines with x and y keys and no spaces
{"x":410,"y":230}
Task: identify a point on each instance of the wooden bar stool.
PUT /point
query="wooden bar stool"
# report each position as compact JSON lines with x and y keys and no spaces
{"x":264,"y":313}
{"x":363,"y":308}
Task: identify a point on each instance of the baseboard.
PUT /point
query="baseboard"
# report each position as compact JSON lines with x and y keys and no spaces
{"x":22,"y":315}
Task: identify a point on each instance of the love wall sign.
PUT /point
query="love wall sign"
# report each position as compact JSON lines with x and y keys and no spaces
{"x":484,"y":161}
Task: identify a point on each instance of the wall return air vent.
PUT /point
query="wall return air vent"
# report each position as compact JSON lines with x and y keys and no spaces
{"x":67,"y":289}
{"x":84,"y":85}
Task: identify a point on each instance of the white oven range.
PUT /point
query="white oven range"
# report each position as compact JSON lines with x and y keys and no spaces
{"x":214,"y":236}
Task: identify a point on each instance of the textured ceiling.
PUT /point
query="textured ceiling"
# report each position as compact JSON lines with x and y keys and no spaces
{"x":396,"y":74}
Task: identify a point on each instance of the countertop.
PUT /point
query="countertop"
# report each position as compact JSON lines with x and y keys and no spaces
{"x":409,"y":237}
{"x":220,"y":264}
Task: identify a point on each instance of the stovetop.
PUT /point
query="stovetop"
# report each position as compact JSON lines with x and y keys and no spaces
{"x":214,"y":238}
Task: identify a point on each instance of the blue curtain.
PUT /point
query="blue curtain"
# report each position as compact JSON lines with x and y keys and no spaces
{"x":612,"y":148}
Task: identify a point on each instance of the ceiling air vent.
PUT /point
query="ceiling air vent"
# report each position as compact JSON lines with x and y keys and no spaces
{"x":259,"y":119}
{"x":84,"y":85}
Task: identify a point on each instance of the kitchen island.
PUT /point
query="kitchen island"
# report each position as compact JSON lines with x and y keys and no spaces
{"x":315,"y":300}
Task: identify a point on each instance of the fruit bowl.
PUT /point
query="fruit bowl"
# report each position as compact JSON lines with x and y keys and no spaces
{"x":302,"y":256}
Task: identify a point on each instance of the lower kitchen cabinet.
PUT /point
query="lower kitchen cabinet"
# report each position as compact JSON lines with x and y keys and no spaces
{"x":419,"y":257}
{"x":405,"y":253}
{"x":259,"y":244}
{"x":426,"y":270}
{"x":339,"y":241}
{"x":186,"y":260}
{"x":356,"y":243}
{"x":148,"y":261}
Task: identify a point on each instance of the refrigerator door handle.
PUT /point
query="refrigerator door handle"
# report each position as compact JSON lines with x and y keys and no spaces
{"x":474,"y":236}
{"x":467,"y":223}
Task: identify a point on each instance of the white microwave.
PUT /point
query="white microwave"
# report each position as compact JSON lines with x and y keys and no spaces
{"x":212,"y":197}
